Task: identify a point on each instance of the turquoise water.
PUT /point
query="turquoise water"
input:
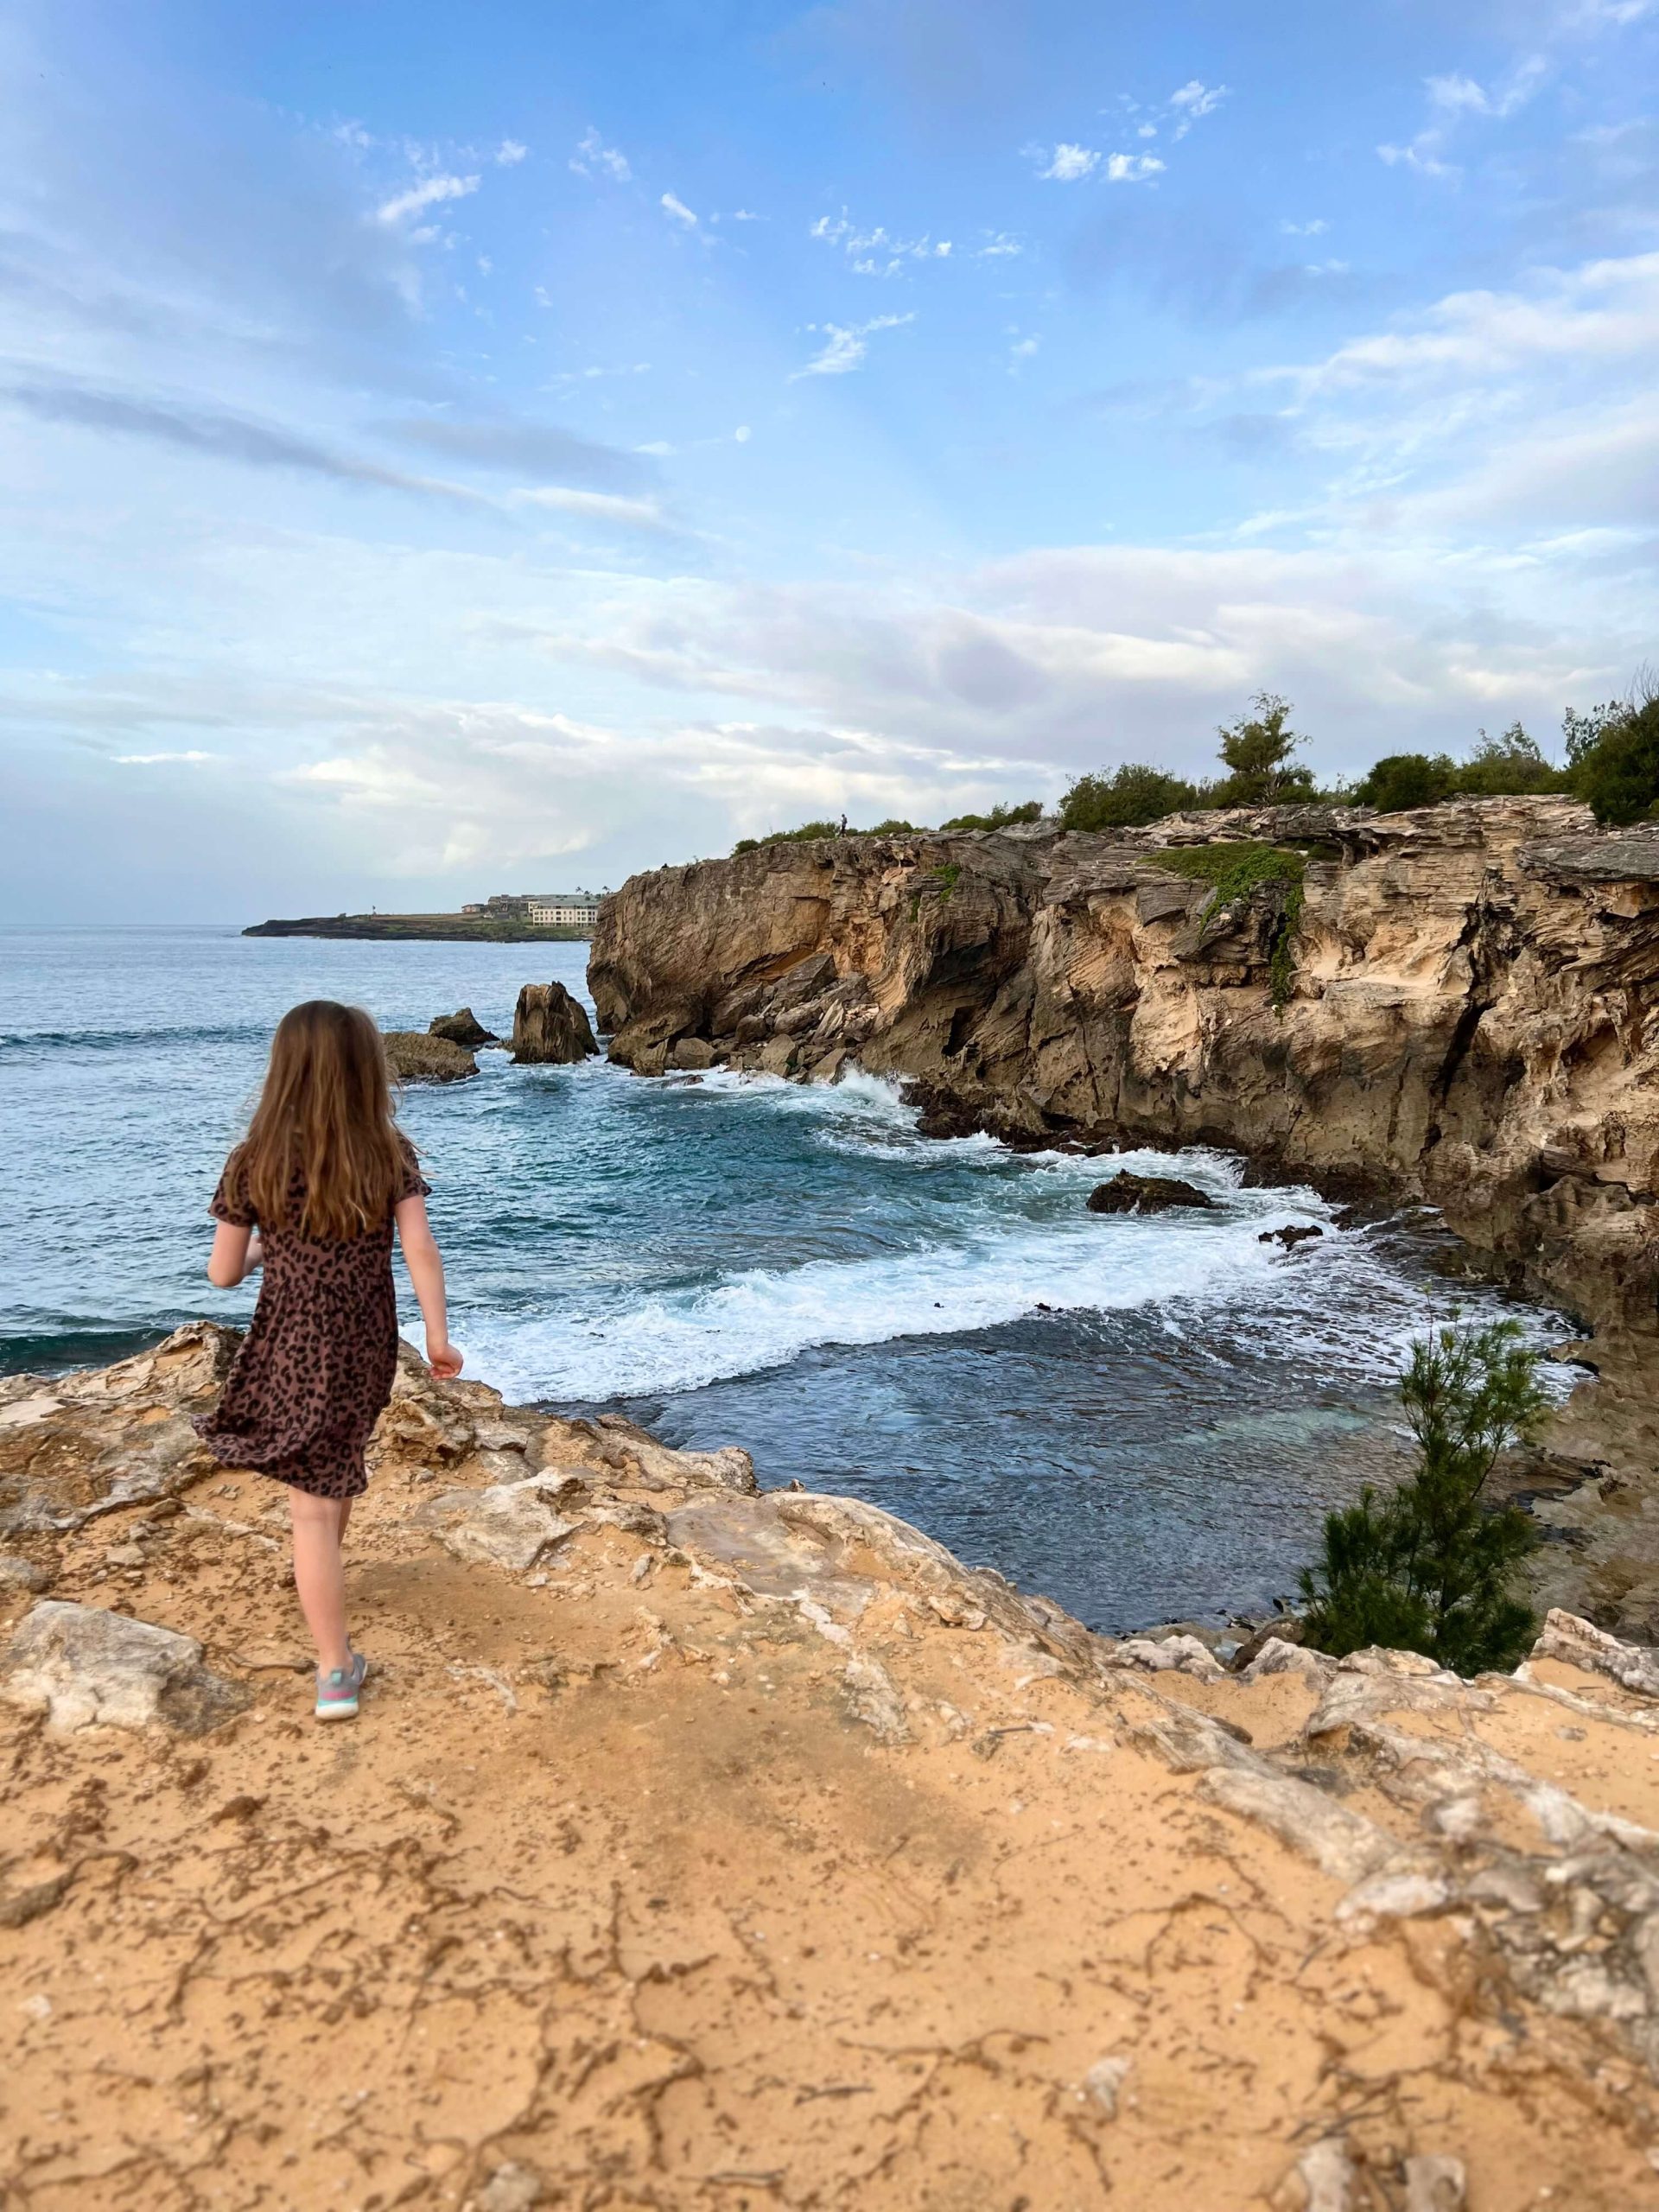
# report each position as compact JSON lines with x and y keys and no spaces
{"x":1143,"y":1418}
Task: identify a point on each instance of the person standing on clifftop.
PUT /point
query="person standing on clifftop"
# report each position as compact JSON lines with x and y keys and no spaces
{"x":312,"y":1194}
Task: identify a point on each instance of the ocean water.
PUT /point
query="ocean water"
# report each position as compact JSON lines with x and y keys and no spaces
{"x":1145,"y":1419}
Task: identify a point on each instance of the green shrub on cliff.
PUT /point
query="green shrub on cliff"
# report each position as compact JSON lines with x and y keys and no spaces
{"x":1130,"y":796}
{"x":1613,"y":755}
{"x":999,"y":817}
{"x":1402,"y":780}
{"x":1236,"y":870}
{"x":1257,"y":751}
{"x":1431,"y":1568}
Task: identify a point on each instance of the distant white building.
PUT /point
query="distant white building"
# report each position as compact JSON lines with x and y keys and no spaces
{"x":578,"y":909}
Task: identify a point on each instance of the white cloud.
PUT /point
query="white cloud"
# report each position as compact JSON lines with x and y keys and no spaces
{"x":999,"y":245}
{"x":1192,"y":101}
{"x":156,"y":760}
{"x":846,"y":345}
{"x":593,"y":506}
{"x":1067,"y":163}
{"x":593,"y":157}
{"x":1421,"y":155}
{"x":1459,"y":95}
{"x":430,"y":193}
{"x":744,"y":215}
{"x":876,"y":251}
{"x":678,"y":210}
{"x":509,"y":153}
{"x":1132,"y":168}
{"x":742,"y":434}
{"x":1316,"y":228}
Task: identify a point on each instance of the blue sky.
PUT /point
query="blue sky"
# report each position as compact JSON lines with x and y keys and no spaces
{"x":448,"y":449}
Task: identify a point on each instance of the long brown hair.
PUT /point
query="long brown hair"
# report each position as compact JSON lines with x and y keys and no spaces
{"x":325,"y":1113}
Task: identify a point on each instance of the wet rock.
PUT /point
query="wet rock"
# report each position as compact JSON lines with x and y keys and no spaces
{"x":1291,"y":1235}
{"x":1127,"y":1193}
{"x":464,"y":1028}
{"x":693,"y":1053}
{"x":549,"y":1028}
{"x":414,"y":1056}
{"x":81,"y":1664}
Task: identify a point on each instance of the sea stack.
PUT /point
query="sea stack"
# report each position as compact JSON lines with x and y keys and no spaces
{"x":549,"y":1026}
{"x":464,"y":1028}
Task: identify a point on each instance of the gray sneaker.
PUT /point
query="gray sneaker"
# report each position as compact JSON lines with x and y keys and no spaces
{"x":337,"y":1692}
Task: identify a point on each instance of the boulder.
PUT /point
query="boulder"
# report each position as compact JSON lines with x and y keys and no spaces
{"x":413,"y":1056}
{"x":506,"y":1524}
{"x":1290,"y":1237}
{"x":1129,"y":1194}
{"x":464,"y":1028}
{"x":549,"y":1027}
{"x":84,"y":1663}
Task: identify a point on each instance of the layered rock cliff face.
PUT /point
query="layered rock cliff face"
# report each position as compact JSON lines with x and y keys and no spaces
{"x":1471,"y":1017}
{"x":706,"y":1848}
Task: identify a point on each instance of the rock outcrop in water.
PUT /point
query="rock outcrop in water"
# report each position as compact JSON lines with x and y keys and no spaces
{"x":417,"y":1056}
{"x":699,"y":1846}
{"x":1469,"y":1015}
{"x":464,"y":1028}
{"x":549,"y":1026}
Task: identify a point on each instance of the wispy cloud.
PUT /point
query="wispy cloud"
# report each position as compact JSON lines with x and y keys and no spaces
{"x":430,"y":193}
{"x":1192,"y":101}
{"x":1067,"y":163}
{"x":593,"y":157}
{"x":510,"y":153}
{"x":672,"y":205}
{"x":1316,"y":229}
{"x":160,"y":760}
{"x":1131,"y":169}
{"x":877,"y":251}
{"x":846,"y":345}
{"x":593,"y":506}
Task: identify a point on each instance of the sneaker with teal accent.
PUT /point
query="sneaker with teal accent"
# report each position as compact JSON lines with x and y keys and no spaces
{"x":337,"y":1692}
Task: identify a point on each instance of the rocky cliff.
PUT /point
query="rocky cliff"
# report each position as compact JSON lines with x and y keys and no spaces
{"x":701,"y":1847}
{"x":1459,"y":1004}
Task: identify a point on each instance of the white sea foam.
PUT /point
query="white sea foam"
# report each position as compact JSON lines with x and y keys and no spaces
{"x":1010,"y":1238}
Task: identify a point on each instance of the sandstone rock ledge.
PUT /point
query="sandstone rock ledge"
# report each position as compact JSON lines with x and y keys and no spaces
{"x":700,"y":1847}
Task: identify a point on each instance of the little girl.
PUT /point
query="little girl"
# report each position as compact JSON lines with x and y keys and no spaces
{"x":324,"y":1172}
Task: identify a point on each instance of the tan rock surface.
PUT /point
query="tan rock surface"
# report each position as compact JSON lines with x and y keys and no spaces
{"x":737,"y":1849}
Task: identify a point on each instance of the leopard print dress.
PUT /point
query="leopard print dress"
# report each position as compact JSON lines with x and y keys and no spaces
{"x":315,"y":1368}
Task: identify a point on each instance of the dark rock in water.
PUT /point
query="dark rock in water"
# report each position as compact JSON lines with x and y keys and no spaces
{"x":463,"y":1028}
{"x":549,"y":1027}
{"x":415,"y":1056}
{"x":1290,"y":1237}
{"x":1145,"y":1194}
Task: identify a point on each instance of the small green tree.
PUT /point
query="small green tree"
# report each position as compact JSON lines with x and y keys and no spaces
{"x":1399,"y":780}
{"x":1613,"y":755}
{"x":1499,"y":766}
{"x":1132,"y":794}
{"x":1431,"y":1568}
{"x":1257,"y":751}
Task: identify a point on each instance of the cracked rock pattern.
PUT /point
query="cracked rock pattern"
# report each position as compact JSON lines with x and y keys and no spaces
{"x":705,"y":1846}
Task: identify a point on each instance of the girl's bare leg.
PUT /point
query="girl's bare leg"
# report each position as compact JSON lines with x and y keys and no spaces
{"x":318,"y":1577}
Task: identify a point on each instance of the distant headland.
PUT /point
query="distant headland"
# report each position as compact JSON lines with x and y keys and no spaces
{"x":507,"y":917}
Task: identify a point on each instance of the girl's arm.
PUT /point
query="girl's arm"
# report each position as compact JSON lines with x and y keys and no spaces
{"x":426,"y":1273}
{"x":237,"y":1252}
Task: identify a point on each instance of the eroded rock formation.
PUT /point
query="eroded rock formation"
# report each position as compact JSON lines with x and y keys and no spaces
{"x":550,"y":1026}
{"x":1470,"y":1015}
{"x":699,"y":1845}
{"x":464,"y":1028}
{"x":419,"y":1056}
